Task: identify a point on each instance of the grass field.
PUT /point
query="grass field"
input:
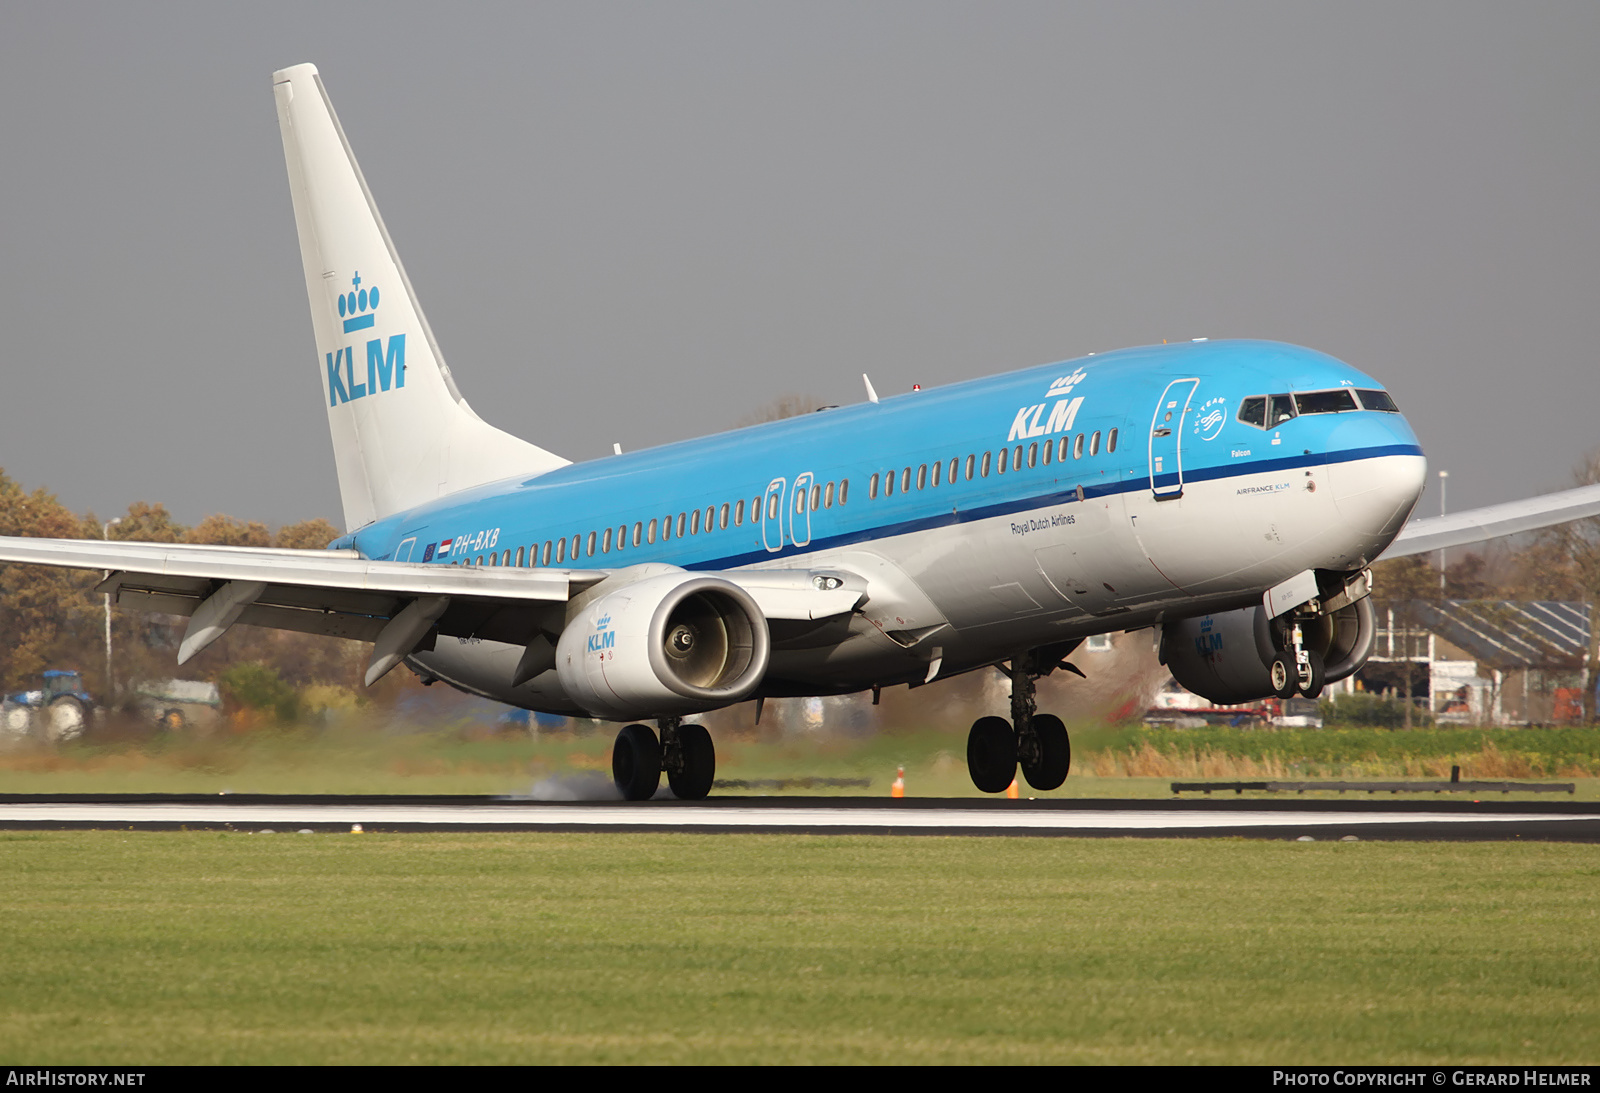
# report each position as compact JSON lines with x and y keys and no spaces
{"x":147,"y":948}
{"x":465,"y":758}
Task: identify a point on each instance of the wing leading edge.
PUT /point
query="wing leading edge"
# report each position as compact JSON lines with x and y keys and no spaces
{"x":394,"y":605}
{"x":1493,"y":521}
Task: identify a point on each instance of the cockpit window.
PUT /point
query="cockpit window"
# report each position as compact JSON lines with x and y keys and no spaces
{"x":1253,"y":411}
{"x":1377,"y":400}
{"x":1336,"y":401}
{"x":1279,"y":410}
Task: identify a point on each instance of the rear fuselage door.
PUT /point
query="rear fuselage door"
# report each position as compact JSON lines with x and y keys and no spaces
{"x":1166,"y":439}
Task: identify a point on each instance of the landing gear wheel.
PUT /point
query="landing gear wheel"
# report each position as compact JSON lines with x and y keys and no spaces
{"x":992,"y":754}
{"x":65,"y":720}
{"x":1314,"y":675}
{"x":698,"y":767}
{"x":1285,"y":679}
{"x":1053,"y":755}
{"x":636,"y":763}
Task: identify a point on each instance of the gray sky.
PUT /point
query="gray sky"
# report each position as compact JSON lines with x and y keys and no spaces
{"x":638,"y":222}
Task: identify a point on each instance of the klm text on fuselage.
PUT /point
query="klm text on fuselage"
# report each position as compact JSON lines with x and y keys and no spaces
{"x":384,"y":370}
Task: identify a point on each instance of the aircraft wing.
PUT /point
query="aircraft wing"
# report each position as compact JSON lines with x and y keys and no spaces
{"x":1493,"y":521}
{"x":341,"y":594}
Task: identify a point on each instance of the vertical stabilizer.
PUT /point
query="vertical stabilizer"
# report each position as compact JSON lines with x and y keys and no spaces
{"x":402,"y":433}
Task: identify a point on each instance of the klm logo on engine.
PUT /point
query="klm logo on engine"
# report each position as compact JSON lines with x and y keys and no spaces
{"x":603,"y":637}
{"x":1027,"y":423}
{"x":1207,"y":643}
{"x":385,"y":364}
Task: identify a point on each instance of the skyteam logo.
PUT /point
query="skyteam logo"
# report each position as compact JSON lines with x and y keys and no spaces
{"x":386,"y":366}
{"x":1027,"y":424}
{"x":603,"y":637}
{"x":1209,"y":419}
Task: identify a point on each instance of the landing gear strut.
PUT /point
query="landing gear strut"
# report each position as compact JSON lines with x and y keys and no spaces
{"x":1297,"y":670}
{"x":684,"y":752}
{"x":1038,"y":742}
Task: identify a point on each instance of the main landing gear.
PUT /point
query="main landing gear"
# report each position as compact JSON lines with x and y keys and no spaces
{"x":1297,"y":670}
{"x":1038,"y":742}
{"x":685,"y":752}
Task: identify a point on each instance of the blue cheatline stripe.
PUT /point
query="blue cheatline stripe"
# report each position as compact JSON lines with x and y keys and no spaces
{"x":360,"y":322}
{"x":1065,"y":495}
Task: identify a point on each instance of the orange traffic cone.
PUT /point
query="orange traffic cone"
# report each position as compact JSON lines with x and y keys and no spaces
{"x":1011,"y":790}
{"x":899,"y":787}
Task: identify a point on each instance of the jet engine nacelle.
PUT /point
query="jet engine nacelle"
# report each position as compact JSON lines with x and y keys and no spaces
{"x":663,"y":646}
{"x":1227,"y":657}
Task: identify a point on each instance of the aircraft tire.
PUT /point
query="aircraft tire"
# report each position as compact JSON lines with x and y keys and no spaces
{"x":1285,"y":681}
{"x":699,"y":769}
{"x":992,"y":754}
{"x":65,"y":719}
{"x":1054,"y":754}
{"x":1315,"y":676}
{"x":636,"y":763}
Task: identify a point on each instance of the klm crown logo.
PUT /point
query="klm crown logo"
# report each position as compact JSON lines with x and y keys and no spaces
{"x":386,"y":362}
{"x":358,"y":305}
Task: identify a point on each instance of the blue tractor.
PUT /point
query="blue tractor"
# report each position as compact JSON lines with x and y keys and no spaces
{"x":59,"y":710}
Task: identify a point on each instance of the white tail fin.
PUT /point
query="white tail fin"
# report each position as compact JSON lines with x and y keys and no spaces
{"x":402,"y":433}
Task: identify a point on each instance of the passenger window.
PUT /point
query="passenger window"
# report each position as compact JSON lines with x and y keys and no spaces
{"x":1111,"y":441}
{"x":827,"y":497}
{"x":738,"y":513}
{"x":666,"y":528}
{"x":983,"y":471}
{"x":1016,"y":459}
{"x":694,"y":520}
{"x":955,"y":467}
{"x":872,"y":488}
{"x":605,"y":542}
{"x":844,"y":490}
{"x":561,"y":551}
{"x":772,"y":506}
{"x":1253,"y":411}
{"x":590,"y":548}
{"x":888,"y":484}
{"x":722,"y":516}
{"x":575,"y":545}
{"x":971,"y":462}
{"x":1049,"y":451}
{"x":521,"y":556}
{"x":816,"y":501}
{"x":905,"y":480}
{"x":1061,"y":457}
{"x":1002,"y":460}
{"x":1336,"y":401}
{"x":1094,"y":443}
{"x":622,"y":536}
{"x":1077,"y":447}
{"x":1378,"y":400}
{"x":922,"y":477}
{"x":938,"y":473}
{"x":638,"y":532}
{"x":650,"y":531}
{"x":547,"y":545}
{"x":494,"y":559}
{"x":799,"y":501}
{"x":1033,"y":454}
{"x":1279,"y":410}
{"x":711,"y":513}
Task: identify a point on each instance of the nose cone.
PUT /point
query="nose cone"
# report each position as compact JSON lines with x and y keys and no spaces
{"x":1377,"y":471}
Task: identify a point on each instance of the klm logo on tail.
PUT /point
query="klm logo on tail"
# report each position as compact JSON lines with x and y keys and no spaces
{"x":386,"y":367}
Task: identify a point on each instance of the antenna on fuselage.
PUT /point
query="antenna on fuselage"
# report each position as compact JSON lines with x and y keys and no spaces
{"x":872,"y":396}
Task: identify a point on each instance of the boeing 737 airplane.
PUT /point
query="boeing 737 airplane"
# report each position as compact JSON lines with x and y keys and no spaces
{"x":1232,"y":494}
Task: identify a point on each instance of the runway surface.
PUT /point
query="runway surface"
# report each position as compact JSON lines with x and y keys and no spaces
{"x":1270,"y":819}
